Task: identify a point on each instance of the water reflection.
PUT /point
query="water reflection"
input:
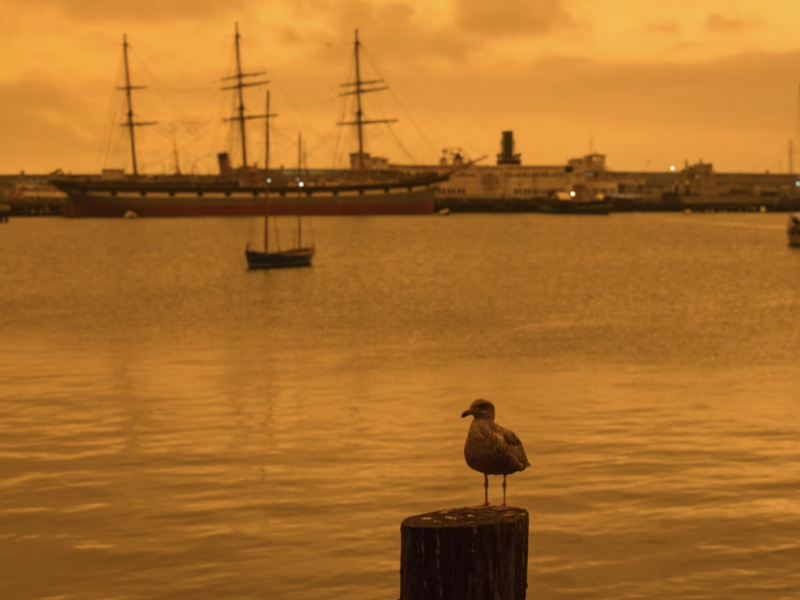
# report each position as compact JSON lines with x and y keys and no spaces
{"x":180,"y":427}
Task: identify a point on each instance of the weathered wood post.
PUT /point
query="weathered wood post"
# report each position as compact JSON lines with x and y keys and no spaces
{"x":464,"y":554}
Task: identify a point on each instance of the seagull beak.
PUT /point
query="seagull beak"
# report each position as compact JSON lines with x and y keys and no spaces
{"x":465,"y":413}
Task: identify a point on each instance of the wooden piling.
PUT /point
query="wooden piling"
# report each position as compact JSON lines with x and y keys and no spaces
{"x":464,"y":554}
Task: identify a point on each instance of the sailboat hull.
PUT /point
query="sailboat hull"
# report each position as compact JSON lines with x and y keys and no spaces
{"x":299,"y":257}
{"x":793,"y":230}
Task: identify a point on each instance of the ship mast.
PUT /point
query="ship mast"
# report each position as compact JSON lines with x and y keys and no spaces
{"x":360,"y":89}
{"x":130,"y":123}
{"x":239,"y":86}
{"x":267,"y":117}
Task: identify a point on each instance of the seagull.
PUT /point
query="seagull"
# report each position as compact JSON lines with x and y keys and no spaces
{"x":491,"y":449}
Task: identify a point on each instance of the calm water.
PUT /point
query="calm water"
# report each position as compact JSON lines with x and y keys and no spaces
{"x":173,"y":426}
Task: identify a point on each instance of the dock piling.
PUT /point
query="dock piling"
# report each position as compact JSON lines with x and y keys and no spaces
{"x":465,"y":554}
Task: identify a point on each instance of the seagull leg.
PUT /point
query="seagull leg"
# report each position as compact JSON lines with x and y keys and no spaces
{"x":485,"y":493}
{"x":503,"y":506}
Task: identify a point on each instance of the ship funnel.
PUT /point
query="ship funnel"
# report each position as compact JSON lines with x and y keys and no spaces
{"x":224,"y":164}
{"x":507,"y":156}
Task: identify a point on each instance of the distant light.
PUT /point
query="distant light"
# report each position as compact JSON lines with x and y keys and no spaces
{"x":672,"y":168}
{"x":269,"y":179}
{"x":301,"y":184}
{"x":797,"y":183}
{"x":572,"y":194}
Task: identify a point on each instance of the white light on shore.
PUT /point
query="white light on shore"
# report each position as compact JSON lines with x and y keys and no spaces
{"x":301,"y":184}
{"x":572,"y":194}
{"x":269,"y":179}
{"x":672,"y":168}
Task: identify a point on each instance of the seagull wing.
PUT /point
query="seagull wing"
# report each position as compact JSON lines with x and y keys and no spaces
{"x":515,"y":446}
{"x":511,"y":438}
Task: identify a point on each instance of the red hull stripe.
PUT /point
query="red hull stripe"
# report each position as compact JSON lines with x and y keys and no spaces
{"x":380,"y":205}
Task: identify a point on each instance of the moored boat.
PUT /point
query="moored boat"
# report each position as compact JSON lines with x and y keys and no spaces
{"x":793,"y":229}
{"x":299,"y":255}
{"x":580,"y":200}
{"x":296,"y":257}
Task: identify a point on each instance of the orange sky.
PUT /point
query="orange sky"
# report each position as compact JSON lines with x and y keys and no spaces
{"x":648,"y":86}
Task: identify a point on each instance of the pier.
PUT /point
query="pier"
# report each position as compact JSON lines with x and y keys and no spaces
{"x":29,"y":195}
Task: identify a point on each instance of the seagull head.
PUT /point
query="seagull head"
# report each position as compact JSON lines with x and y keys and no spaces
{"x":480,"y":409}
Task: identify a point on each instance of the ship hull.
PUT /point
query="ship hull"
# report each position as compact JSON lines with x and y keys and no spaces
{"x":107,"y":203}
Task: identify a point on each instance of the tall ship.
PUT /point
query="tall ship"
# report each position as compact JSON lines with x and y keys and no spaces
{"x":360,"y":190}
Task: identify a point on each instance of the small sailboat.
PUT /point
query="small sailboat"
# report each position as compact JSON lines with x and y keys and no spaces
{"x":793,"y":229}
{"x":298,"y":256}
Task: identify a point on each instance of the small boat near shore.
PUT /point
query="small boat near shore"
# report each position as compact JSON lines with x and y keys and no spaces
{"x":580,"y":201}
{"x":793,"y":230}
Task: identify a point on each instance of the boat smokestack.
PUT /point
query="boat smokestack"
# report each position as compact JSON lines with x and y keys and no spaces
{"x":507,"y":156}
{"x":224,"y":164}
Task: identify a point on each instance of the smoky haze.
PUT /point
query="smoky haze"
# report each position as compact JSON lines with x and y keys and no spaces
{"x":647,"y":86}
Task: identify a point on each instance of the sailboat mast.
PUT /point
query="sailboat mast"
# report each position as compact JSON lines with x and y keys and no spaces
{"x":299,"y":165}
{"x":241,"y":98}
{"x":266,"y":154}
{"x":266,"y":190}
{"x":359,"y":114}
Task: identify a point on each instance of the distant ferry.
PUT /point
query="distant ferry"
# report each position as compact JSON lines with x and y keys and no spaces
{"x":580,"y":186}
{"x":586,"y":185}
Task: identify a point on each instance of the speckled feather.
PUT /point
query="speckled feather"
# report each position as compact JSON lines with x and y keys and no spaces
{"x":491,"y":448}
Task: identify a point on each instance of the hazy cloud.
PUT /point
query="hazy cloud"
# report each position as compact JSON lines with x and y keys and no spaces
{"x":666,"y":112}
{"x":441,"y":60}
{"x":132,"y":10}
{"x":46,"y":124}
{"x":394,"y":31}
{"x":665,"y":27}
{"x":663,"y":112}
{"x":510,"y":17}
{"x":717,"y":23}
{"x":401,"y":30}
